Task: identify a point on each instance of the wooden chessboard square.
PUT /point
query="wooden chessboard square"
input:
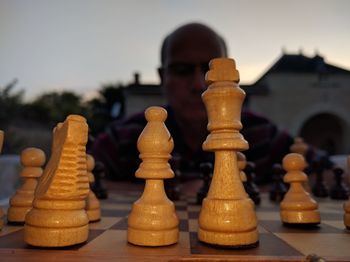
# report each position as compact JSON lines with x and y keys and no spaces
{"x":122,"y":224}
{"x":117,"y":206}
{"x":328,"y":204}
{"x":105,"y":223}
{"x":122,"y":199}
{"x":191,"y":200}
{"x":276,"y":226}
{"x":114,"y":213}
{"x":115,"y":242}
{"x":193,"y":225}
{"x":320,"y":244}
{"x":338,"y":224}
{"x":193,"y":214}
{"x":183,"y":225}
{"x":269,"y":245}
{"x":180,"y":207}
{"x":331,"y":216}
{"x":15,"y":240}
{"x":266,"y":215}
{"x":182,"y":214}
{"x":194,"y":208}
{"x":262,"y":230}
{"x":7,"y":229}
{"x":267,"y":208}
{"x":180,"y":203}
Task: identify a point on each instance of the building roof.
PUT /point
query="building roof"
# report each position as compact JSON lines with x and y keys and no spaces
{"x":287,"y":63}
{"x":136,"y":88}
{"x":303,"y":64}
{"x":297,"y":64}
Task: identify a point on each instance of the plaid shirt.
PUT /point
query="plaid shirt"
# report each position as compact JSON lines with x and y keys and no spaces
{"x":117,"y":149}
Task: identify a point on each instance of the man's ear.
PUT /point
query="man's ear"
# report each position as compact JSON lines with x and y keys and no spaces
{"x":161,"y":75}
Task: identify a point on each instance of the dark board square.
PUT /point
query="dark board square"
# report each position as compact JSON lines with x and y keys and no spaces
{"x":183,"y":225}
{"x":15,"y":240}
{"x":331,"y":216}
{"x":269,"y":245}
{"x":114,"y":213}
{"x":121,"y":224}
{"x":180,"y":207}
{"x":193,"y":214}
{"x":276,"y":226}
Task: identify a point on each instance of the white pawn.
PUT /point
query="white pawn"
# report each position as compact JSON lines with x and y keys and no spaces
{"x":297,"y":207}
{"x":299,"y":146}
{"x":93,"y":208}
{"x":153,"y":221}
{"x":242,"y":163}
{"x":32,"y":160}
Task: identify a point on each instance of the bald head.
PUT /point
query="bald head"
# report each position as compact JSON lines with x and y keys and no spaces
{"x":185,"y":57}
{"x":189,"y":37}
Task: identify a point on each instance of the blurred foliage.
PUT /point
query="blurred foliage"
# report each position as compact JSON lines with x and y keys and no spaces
{"x":30,"y":123}
{"x":102,"y":108}
{"x":11,"y":103}
{"x":54,"y":107}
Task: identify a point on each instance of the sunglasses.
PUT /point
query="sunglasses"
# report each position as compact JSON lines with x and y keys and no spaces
{"x":186,"y":69}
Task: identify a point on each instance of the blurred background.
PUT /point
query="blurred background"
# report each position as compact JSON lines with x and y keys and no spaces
{"x":100,"y":58}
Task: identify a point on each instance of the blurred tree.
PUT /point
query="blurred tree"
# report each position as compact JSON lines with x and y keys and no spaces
{"x":54,"y":107}
{"x":108,"y":106}
{"x":10,"y":104}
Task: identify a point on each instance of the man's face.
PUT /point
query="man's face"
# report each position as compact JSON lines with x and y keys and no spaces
{"x":183,"y":74}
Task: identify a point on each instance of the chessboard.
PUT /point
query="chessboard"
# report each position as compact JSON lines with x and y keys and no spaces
{"x":107,"y":238}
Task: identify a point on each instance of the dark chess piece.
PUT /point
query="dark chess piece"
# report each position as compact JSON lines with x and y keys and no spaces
{"x":250,"y":187}
{"x":278,"y":187}
{"x":173,"y":186}
{"x":98,"y":187}
{"x":206,"y":174}
{"x":339,"y":191}
{"x":319,"y":166}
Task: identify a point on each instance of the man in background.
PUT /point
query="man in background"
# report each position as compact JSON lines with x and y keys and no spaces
{"x":185,"y":54}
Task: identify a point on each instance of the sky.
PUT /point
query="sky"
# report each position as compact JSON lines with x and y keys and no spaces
{"x":79,"y":45}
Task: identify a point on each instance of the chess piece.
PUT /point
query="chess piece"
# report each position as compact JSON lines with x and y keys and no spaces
{"x":93,"y":208}
{"x":319,"y":189}
{"x":250,"y":187}
{"x":347,"y":207}
{"x":58,"y":217}
{"x":297,"y":207}
{"x":242,"y":163}
{"x":339,"y":190}
{"x":299,"y":146}
{"x":246,"y":173}
{"x":32,"y":160}
{"x":206,"y":172}
{"x":314,"y":258}
{"x":1,"y":211}
{"x":227,"y":217}
{"x":153,"y":221}
{"x":98,"y":187}
{"x":278,"y":188}
{"x":173,"y":186}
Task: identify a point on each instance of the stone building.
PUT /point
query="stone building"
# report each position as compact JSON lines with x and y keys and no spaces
{"x":140,"y":96}
{"x":304,"y":95}
{"x":308,"y":97}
